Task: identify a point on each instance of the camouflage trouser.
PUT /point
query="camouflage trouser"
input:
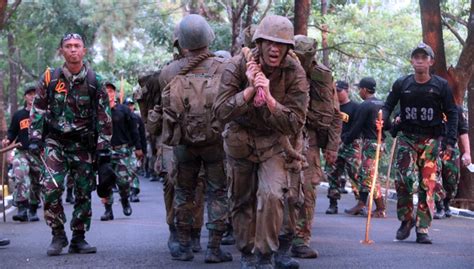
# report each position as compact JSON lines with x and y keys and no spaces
{"x":450,"y":173}
{"x":120,"y":163}
{"x":169,"y":174}
{"x":312,"y":176}
{"x":132,"y":169}
{"x":72,"y":160}
{"x":189,"y":161}
{"x":257,"y":195}
{"x":26,"y":173}
{"x":367,"y":168}
{"x":348,"y":160}
{"x":416,"y":163}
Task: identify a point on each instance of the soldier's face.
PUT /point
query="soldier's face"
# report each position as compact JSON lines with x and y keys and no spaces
{"x":73,"y":50}
{"x":421,"y":62}
{"x":29,"y":97}
{"x":273,"y":52}
{"x":342,"y":96}
{"x":111,"y":94}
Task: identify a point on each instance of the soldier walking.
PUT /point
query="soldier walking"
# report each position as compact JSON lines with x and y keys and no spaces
{"x":423,"y":99}
{"x":263,"y":100}
{"x":348,"y":156}
{"x":322,"y":130}
{"x":26,"y":166}
{"x":71,"y":103}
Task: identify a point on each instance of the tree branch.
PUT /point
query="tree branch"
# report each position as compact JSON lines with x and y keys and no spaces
{"x":454,"y":18}
{"x":266,"y":10}
{"x":11,"y":11}
{"x":321,"y":29}
{"x":454,"y":32}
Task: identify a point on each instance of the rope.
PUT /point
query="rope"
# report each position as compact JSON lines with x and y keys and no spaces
{"x":194,"y":62}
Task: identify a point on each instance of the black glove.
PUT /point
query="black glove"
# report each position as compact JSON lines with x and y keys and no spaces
{"x":35,"y":147}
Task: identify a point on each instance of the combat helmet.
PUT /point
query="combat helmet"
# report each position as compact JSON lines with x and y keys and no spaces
{"x":175,"y":35}
{"x":194,"y":32}
{"x":305,"y":46}
{"x":275,"y":28}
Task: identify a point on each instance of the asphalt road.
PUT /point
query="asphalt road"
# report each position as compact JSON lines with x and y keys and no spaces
{"x":139,"y":241}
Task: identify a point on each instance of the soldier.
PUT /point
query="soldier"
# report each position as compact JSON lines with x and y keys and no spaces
{"x":323,"y":128}
{"x":165,"y":164}
{"x":26,"y":167}
{"x":348,"y":157}
{"x":450,"y":167}
{"x":136,"y":160}
{"x":423,"y":99}
{"x":365,"y":127}
{"x":72,"y":104}
{"x":263,"y":100}
{"x":124,"y":134}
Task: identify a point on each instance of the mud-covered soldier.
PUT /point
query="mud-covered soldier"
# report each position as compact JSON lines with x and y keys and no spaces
{"x":451,"y":164}
{"x":72,"y":104}
{"x":348,"y":156}
{"x":190,"y":127}
{"x":423,"y":98}
{"x":323,"y":129}
{"x":140,"y":152}
{"x":26,"y":166}
{"x":124,"y":135}
{"x":263,"y":100}
{"x":365,"y":128}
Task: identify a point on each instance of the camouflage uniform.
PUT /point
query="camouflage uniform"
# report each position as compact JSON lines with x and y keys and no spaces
{"x":120,"y":162}
{"x":323,"y":125}
{"x":26,"y":173}
{"x":65,"y":151}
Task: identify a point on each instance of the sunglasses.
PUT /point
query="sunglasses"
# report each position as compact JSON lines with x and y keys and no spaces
{"x":68,"y":36}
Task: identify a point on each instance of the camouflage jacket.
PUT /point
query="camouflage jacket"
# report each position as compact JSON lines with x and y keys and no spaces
{"x":323,"y":112}
{"x":71,"y":108}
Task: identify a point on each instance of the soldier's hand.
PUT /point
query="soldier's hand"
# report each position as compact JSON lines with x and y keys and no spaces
{"x":330,"y":156}
{"x":139,"y":154}
{"x":5,"y":142}
{"x":252,"y":69}
{"x":379,"y":124}
{"x":466,"y":158}
{"x":35,"y":148}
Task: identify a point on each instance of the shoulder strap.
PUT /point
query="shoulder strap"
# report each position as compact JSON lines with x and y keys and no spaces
{"x":52,"y":84}
{"x":91,"y":80}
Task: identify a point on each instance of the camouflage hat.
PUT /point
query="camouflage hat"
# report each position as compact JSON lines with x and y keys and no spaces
{"x":247,"y":35}
{"x":29,"y":88}
{"x":305,"y":45}
{"x":223,"y":54}
{"x":194,"y":32}
{"x":275,"y":28}
{"x":110,"y":84}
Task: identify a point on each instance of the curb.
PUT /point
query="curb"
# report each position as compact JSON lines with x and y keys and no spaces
{"x":392,"y":196}
{"x":8,"y":206}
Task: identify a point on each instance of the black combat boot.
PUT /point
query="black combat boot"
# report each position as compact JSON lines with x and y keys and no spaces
{"x":173,"y":243}
{"x":422,"y":238}
{"x":214,"y":253}
{"x":440,"y":213}
{"x":196,"y":240}
{"x":4,"y":241}
{"x":404,"y":230}
{"x":264,"y":261}
{"x":79,"y":244}
{"x":342,"y":188}
{"x":184,"y":237}
{"x":127,"y":209}
{"x":69,"y":196}
{"x":248,"y":261}
{"x":58,"y":243}
{"x":228,"y":238}
{"x":447,"y":211}
{"x":108,"y":214}
{"x":32,"y":216}
{"x":282,"y":257}
{"x":359,"y":208}
{"x":134,"y":195}
{"x":332,"y":207}
{"x":22,"y":214}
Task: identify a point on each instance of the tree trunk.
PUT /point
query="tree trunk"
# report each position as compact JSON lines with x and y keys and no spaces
{"x":433,"y":33}
{"x":14,"y":73}
{"x":302,"y":11}
{"x":3,"y":122}
{"x":324,"y":33}
{"x":465,"y":196}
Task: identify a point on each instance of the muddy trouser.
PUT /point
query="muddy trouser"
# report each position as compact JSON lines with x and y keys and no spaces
{"x":257,"y":194}
{"x":168,"y":190}
{"x":312,"y":176}
{"x":416,"y":163}
{"x":72,"y":160}
{"x":348,"y":161}
{"x":188,"y":163}
{"x":26,"y":173}
{"x":120,"y":163}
